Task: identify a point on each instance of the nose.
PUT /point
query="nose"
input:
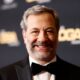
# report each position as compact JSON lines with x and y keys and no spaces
{"x":42,"y":36}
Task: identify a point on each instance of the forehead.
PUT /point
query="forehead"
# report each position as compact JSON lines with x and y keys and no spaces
{"x":40,"y":20}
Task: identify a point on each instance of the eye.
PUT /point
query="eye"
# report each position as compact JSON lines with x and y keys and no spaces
{"x":35,"y":31}
{"x":50,"y":31}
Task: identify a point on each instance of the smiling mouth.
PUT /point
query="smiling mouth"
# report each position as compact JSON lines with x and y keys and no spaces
{"x":42,"y":48}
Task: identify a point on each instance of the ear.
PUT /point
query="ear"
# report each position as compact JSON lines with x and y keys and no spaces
{"x":24,"y":35}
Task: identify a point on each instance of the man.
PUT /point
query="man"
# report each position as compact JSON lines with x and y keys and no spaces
{"x":40,"y":27}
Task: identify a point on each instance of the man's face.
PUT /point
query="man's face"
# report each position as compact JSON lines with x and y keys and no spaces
{"x":41,"y":36}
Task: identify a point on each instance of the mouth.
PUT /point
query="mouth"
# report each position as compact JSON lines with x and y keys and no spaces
{"x":42,"y":48}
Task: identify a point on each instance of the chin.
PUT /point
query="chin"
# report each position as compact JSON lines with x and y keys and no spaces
{"x":43,"y":55}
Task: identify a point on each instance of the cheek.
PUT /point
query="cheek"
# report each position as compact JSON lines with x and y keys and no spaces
{"x":30,"y":39}
{"x":54,"y":40}
{"x":53,"y":37}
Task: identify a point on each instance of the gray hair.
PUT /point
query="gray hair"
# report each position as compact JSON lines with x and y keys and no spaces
{"x":38,"y":9}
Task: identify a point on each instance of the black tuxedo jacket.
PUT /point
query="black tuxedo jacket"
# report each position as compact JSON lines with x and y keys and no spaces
{"x":21,"y":71}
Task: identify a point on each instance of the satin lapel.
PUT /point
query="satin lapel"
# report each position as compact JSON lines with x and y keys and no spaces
{"x":23,"y":70}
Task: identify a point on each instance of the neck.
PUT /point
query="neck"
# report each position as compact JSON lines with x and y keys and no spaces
{"x":42,"y":62}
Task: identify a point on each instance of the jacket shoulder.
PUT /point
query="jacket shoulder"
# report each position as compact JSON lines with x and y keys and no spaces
{"x":9,"y":72}
{"x":67,"y":71}
{"x":69,"y":65}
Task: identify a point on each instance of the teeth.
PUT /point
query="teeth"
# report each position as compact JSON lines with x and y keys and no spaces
{"x":42,"y":46}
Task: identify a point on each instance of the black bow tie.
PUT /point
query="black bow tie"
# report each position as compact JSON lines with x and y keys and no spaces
{"x":36,"y":68}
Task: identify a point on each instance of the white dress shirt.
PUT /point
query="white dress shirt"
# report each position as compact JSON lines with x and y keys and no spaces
{"x":43,"y":75}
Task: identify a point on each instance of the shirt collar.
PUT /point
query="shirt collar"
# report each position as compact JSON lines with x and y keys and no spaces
{"x":31,"y":60}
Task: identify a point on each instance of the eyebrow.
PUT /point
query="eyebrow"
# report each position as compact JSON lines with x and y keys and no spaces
{"x":34,"y":29}
{"x":50,"y":28}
